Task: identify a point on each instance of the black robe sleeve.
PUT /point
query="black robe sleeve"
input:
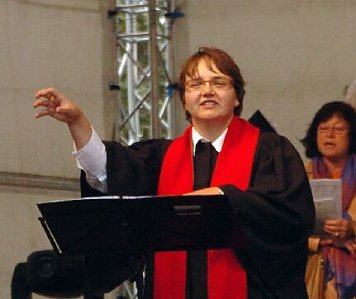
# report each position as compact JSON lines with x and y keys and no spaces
{"x":131,"y":170}
{"x":135,"y":170}
{"x":276,"y":215}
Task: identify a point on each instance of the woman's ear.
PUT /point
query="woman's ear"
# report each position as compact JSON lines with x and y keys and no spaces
{"x":237,"y":102}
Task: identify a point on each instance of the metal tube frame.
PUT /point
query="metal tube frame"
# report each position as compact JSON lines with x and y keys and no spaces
{"x":145,"y":69}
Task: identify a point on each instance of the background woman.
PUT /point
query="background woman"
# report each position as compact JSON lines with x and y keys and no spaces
{"x":330,"y":144}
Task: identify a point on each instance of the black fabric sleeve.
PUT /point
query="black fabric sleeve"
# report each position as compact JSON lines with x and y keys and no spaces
{"x":85,"y":189}
{"x":275,"y":215}
{"x":135,"y":170}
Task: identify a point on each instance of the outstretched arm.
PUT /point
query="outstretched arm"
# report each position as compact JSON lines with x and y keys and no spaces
{"x":59,"y":107}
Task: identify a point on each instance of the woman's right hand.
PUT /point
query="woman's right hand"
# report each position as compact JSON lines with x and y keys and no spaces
{"x":56,"y":105}
{"x":59,"y":107}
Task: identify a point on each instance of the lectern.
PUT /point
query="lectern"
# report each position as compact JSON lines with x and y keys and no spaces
{"x":136,"y":227}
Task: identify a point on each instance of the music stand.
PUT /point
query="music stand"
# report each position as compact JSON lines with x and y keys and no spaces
{"x":137,"y":224}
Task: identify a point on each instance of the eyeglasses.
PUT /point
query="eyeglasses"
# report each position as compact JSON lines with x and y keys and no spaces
{"x":217,"y":83}
{"x":338,"y":130}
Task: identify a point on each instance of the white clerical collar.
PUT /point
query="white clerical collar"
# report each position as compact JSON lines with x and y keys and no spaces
{"x":217,"y":143}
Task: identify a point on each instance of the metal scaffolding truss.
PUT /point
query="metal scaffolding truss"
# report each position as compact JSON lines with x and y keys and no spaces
{"x":145,"y":68}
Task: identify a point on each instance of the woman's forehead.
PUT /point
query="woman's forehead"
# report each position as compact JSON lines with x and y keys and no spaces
{"x":335,"y":117}
{"x":197,"y":66}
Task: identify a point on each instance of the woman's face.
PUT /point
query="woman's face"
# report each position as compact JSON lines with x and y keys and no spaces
{"x":209,"y":95}
{"x":333,"y":138}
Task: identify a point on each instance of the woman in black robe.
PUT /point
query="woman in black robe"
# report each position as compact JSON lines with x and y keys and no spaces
{"x":274,"y":210}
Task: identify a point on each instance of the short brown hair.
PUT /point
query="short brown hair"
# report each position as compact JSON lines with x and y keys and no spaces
{"x":223,"y":62}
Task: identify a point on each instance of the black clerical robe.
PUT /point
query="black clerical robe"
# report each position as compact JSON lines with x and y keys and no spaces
{"x":276,"y":212}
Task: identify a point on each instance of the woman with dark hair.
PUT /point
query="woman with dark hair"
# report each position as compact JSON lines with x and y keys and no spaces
{"x":330,"y":143}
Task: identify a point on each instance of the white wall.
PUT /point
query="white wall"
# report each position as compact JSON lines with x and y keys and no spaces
{"x":20,"y":230}
{"x":67,"y":44}
{"x":64,"y":44}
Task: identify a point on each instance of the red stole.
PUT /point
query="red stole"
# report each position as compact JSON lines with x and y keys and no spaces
{"x":226,"y":277}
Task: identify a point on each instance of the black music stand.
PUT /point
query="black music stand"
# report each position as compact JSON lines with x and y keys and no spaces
{"x":137,"y":226}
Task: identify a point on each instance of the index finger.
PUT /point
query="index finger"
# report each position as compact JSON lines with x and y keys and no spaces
{"x":48,"y":93}
{"x":332,"y":222}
